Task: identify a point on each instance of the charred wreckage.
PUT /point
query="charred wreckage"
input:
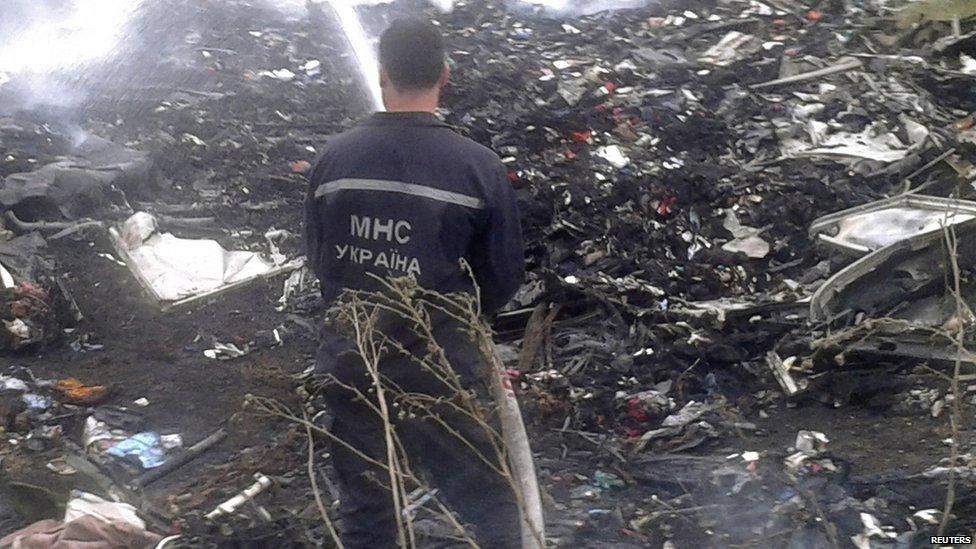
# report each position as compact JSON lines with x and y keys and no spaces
{"x":748,"y":317}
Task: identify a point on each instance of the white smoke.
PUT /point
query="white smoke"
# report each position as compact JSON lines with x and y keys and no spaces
{"x":583,"y":7}
{"x":299,"y":8}
{"x":48,"y":39}
{"x":443,"y":5}
{"x":550,"y":4}
{"x":560,"y":7}
{"x":362,"y":47}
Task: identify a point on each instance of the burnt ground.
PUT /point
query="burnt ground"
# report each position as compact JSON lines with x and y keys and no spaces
{"x":677,"y":488}
{"x":153,"y":355}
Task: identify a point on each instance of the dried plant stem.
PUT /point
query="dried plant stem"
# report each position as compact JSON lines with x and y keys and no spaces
{"x":358,"y":316}
{"x":955,"y":416}
{"x":369,"y":352}
{"x":315,"y":489}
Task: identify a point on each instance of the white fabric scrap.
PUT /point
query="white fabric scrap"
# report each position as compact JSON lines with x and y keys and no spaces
{"x":8,"y":383}
{"x":18,"y":328}
{"x":6,"y":278}
{"x":284,"y":75}
{"x":84,"y":504}
{"x":226,"y":351}
{"x":731,"y":48}
{"x":746,"y":241}
{"x":883,"y":148}
{"x":968,"y":64}
{"x":614,"y":155}
{"x":178,"y":268}
{"x":918,"y":134}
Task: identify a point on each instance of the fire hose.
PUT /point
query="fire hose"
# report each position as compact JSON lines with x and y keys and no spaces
{"x":519,"y":456}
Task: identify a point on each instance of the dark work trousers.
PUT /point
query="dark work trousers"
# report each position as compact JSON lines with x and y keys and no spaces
{"x":466,"y":484}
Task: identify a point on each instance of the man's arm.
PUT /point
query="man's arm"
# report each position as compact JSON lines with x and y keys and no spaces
{"x":313,"y":225}
{"x":498,"y":255}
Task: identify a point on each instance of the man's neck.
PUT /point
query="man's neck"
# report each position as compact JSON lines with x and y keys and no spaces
{"x":412,"y":102}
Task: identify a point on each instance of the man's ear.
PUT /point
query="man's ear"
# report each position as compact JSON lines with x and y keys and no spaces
{"x":445,"y":76}
{"x":384,"y":78}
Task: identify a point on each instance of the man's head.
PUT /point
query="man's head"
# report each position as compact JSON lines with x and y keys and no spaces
{"x":412,"y":65}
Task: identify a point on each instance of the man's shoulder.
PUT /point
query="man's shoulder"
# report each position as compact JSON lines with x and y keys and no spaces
{"x":345,"y":140}
{"x":477,"y":149}
{"x":466,"y":149}
{"x":440,"y":142}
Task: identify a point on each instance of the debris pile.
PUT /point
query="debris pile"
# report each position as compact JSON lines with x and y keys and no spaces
{"x":39,"y":413}
{"x":217,"y":140}
{"x":88,"y":519}
{"x":736,"y":214}
{"x":680,"y":171}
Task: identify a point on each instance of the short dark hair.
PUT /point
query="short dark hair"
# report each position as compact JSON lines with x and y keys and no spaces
{"x":412,"y":52}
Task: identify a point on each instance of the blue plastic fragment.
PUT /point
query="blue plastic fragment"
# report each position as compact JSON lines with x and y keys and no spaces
{"x":145,"y":446}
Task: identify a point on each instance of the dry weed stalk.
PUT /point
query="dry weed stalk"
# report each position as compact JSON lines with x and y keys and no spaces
{"x":955,"y":415}
{"x":358,"y":313}
{"x":315,"y":489}
{"x":954,"y":333}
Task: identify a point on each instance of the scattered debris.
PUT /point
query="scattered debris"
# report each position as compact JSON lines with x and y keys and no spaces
{"x":177,"y":271}
{"x":870,"y":227}
{"x":226,"y":351}
{"x":88,"y":520}
{"x":181,"y":458}
{"x":734,"y":211}
{"x":261,"y":484}
{"x":733,"y":47}
{"x":747,"y":240}
{"x":148,"y":448}
{"x":75,"y":392}
{"x":87,"y":183}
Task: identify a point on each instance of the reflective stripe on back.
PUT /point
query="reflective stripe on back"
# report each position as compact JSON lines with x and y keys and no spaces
{"x":412,"y":189}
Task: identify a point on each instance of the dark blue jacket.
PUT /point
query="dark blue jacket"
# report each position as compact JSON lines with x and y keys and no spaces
{"x":403,"y":194}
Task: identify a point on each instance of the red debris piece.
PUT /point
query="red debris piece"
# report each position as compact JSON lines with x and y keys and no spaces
{"x":300,"y":166}
{"x":610,"y":87}
{"x":75,"y":392}
{"x":636,"y":410}
{"x":966,"y":123}
{"x":813,"y":16}
{"x":582,"y":137}
{"x":664,"y":207}
{"x":28,"y":300}
{"x":633,"y":534}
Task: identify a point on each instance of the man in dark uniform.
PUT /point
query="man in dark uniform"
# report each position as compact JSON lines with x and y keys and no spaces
{"x":402,"y":194}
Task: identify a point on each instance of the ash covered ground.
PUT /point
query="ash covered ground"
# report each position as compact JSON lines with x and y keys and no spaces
{"x":667,"y":202}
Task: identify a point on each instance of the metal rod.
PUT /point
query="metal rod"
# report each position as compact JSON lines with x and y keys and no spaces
{"x":850,"y":64}
{"x":176,"y":462}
